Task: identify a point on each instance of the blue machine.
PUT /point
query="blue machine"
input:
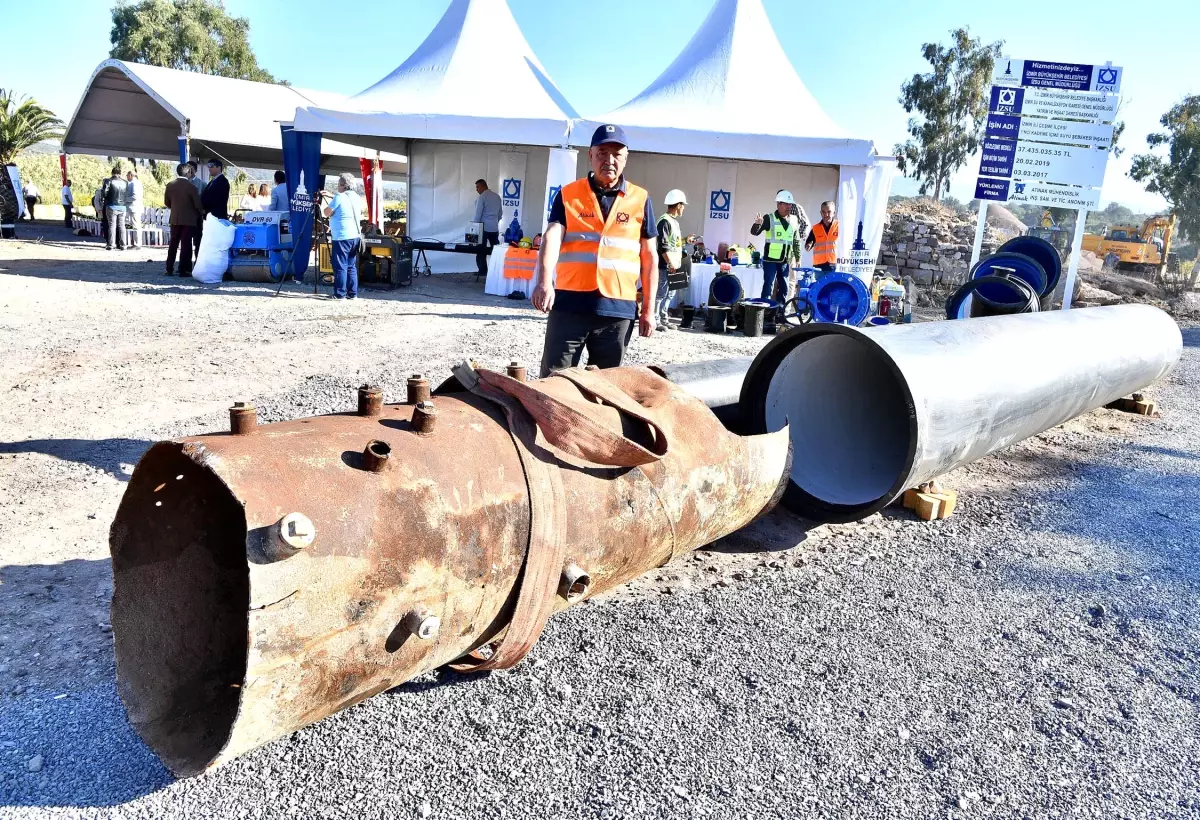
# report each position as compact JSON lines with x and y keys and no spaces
{"x":836,"y":297}
{"x":257,"y":254}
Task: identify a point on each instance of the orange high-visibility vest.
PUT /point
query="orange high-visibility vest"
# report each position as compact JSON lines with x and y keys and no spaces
{"x":519,"y":262}
{"x":825,"y":247}
{"x":600,"y":254}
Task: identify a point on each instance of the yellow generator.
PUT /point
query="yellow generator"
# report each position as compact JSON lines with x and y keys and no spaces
{"x":1144,"y":250}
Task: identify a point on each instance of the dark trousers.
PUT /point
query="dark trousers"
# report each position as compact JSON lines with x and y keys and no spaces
{"x":181,"y":239}
{"x":491,"y":239}
{"x":104,"y":223}
{"x":67,"y":215}
{"x":826,"y":266}
{"x":774,"y":272}
{"x":30,"y":201}
{"x":196,"y":232}
{"x":345,"y":268}
{"x":567,"y":334}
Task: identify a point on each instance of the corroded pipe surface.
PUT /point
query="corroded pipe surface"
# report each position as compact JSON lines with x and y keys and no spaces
{"x":263,"y":582}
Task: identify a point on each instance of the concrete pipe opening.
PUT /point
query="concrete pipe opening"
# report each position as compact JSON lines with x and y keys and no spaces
{"x":853,"y":432}
{"x":181,"y":591}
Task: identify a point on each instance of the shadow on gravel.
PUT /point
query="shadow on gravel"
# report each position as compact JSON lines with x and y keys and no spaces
{"x":107,"y":454}
{"x":778,"y":530}
{"x":90,"y":754}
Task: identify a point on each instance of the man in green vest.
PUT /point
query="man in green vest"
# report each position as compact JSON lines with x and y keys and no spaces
{"x":784,"y":231}
{"x":671,"y":258}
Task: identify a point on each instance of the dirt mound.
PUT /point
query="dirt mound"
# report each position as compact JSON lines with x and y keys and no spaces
{"x":1003,"y":220}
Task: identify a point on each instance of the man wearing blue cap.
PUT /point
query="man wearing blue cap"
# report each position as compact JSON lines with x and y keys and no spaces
{"x":598,"y":246}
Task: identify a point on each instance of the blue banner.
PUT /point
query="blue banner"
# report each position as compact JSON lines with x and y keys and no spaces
{"x":997,"y":158}
{"x":995,"y":190}
{"x":302,"y":164}
{"x":1006,"y":100}
{"x":1003,"y":126}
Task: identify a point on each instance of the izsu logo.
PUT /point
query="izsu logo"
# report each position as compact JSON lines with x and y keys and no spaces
{"x":718,"y":204}
{"x":511,"y":192}
{"x":1106,"y":79}
{"x":1006,"y":100}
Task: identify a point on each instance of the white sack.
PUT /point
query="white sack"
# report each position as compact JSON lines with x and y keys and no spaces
{"x":212,"y":260}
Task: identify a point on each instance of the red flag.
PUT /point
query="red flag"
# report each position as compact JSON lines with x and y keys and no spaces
{"x":364,"y":166}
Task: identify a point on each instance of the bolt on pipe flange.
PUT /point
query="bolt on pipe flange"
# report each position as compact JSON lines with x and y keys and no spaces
{"x":517,"y":371}
{"x":370,"y":400}
{"x":418,"y":389}
{"x":422,"y":624}
{"x":375,"y":455}
{"x":575,"y":582}
{"x":296,"y":531}
{"x":243,"y":418}
{"x":424,"y":418}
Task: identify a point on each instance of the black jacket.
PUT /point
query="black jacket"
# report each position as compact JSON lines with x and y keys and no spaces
{"x":215,"y":198}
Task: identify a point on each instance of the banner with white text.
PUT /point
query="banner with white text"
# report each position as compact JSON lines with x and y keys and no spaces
{"x":718,"y":218}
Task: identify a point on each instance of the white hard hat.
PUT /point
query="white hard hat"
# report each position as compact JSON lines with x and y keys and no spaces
{"x":785,"y":196}
{"x":674,"y":196}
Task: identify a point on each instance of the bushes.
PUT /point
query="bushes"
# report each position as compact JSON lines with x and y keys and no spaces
{"x":85,"y":173}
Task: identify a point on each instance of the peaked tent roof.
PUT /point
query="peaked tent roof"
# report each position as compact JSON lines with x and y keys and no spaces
{"x":698,"y":106}
{"x":136,"y":110}
{"x":446,"y":89}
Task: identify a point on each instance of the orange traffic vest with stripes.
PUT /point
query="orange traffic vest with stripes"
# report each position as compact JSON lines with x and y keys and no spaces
{"x":519,"y":263}
{"x":597,"y":253}
{"x":825,"y":247}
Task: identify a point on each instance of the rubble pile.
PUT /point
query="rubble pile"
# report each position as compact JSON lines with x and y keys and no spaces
{"x":931,"y":242}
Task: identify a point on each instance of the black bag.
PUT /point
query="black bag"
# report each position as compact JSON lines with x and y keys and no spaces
{"x":682,"y":277}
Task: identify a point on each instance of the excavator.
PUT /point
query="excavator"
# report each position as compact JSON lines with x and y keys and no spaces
{"x":1145,"y":250}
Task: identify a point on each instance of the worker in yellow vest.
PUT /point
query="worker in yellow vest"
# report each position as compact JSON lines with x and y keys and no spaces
{"x":598,"y":246}
{"x":672,"y":261}
{"x":783,"y":231}
{"x":822,"y":239}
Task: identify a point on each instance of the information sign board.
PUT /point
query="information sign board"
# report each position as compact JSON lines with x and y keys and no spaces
{"x":1037,"y":193}
{"x":1061,"y":132}
{"x":1063,"y":76}
{"x":1042,"y":162}
{"x":1063,"y":105}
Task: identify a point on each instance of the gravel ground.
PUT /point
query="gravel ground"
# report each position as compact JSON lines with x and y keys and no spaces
{"x":1033,"y":656}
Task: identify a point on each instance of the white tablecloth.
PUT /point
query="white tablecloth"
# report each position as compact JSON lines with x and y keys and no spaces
{"x":696,"y":293}
{"x":496,"y":284}
{"x":702,"y":276}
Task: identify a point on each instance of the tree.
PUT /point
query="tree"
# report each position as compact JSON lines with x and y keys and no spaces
{"x":1176,"y":177}
{"x":24,"y":123}
{"x":192,"y":35}
{"x":953,"y":103}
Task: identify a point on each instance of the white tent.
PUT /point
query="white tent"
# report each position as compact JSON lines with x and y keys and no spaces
{"x":731,"y":93}
{"x":135,"y":110}
{"x":473,"y":79}
{"x":471,"y":102}
{"x":711,"y":103}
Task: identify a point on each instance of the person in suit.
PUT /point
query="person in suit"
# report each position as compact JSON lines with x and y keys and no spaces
{"x":183,"y":200}
{"x":215,"y":198}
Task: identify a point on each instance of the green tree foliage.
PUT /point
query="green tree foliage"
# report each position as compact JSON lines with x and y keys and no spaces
{"x":86,"y":173}
{"x":952,"y":101}
{"x":192,"y":35}
{"x":1176,"y":177}
{"x":24,"y":123}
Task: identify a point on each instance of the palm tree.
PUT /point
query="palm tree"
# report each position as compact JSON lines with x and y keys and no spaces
{"x":24,"y":123}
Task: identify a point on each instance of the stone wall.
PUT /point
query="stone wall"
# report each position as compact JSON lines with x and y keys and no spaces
{"x":932,"y":243}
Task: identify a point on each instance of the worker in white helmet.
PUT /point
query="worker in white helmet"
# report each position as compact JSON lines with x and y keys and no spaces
{"x":784,"y":230}
{"x":673,"y":264}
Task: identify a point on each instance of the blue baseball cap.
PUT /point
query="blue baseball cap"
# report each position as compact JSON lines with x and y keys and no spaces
{"x":609,"y":133}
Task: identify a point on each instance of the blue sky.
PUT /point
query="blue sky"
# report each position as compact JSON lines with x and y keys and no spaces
{"x":852,"y":56}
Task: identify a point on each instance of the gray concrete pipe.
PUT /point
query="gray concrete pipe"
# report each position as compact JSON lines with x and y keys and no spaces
{"x":874,"y":411}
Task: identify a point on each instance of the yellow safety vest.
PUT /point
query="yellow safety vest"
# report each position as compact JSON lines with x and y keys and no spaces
{"x":779,"y":239}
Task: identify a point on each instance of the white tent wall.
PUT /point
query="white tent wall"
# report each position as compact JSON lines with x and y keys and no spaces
{"x":757,"y":183}
{"x":863,"y":193}
{"x":441,"y":192}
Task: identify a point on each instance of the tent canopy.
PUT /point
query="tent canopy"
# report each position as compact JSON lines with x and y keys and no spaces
{"x":473,"y":79}
{"x":135,"y":110}
{"x":709,"y":101}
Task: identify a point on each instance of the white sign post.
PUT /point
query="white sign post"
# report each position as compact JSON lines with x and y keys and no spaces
{"x":1048,"y":138}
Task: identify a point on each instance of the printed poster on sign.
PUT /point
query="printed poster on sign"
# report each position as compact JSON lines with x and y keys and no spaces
{"x":1054,"y":104}
{"x":718,"y":218}
{"x":512,"y":186}
{"x":1057,"y":75}
{"x":561,"y":169}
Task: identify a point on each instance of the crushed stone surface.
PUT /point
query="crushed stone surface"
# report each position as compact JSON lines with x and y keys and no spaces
{"x":1034,"y":656}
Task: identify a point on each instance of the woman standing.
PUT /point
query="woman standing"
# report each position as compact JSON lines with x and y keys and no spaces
{"x":264,"y":196}
{"x":249,"y":200}
{"x":343,"y":213}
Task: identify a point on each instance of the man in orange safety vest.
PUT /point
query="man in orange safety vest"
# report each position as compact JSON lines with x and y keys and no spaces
{"x":822,"y":239}
{"x":598,"y":246}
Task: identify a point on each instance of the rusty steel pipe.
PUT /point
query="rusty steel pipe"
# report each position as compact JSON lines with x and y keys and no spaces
{"x":418,"y":389}
{"x":370,"y":400}
{"x":243,"y":418}
{"x":280,"y":582}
